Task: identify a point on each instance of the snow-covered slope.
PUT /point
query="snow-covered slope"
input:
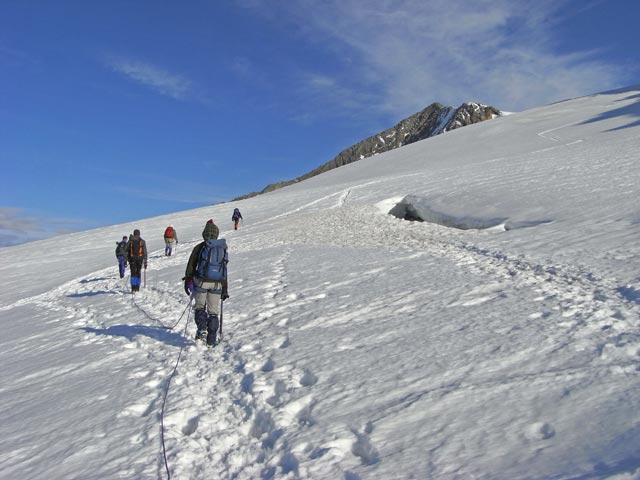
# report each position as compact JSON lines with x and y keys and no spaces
{"x":357,"y":345}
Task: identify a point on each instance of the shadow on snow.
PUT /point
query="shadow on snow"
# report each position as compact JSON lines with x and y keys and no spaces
{"x":95,"y":279}
{"x":605,"y":470}
{"x":629,"y":293}
{"x":92,"y":294}
{"x":131,"y":331}
{"x":631,"y":111}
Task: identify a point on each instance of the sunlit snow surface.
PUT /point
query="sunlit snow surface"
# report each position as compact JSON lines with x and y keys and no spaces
{"x":357,"y":345}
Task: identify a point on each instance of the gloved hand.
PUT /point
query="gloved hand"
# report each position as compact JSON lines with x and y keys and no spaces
{"x":224,"y":295}
{"x":188,"y":285}
{"x":145,"y":265}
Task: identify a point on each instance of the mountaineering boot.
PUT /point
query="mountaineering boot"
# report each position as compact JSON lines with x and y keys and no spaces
{"x":201,"y":318}
{"x":212,"y":328}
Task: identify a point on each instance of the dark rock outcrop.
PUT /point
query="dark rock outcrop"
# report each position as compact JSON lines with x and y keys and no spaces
{"x":433,"y":120}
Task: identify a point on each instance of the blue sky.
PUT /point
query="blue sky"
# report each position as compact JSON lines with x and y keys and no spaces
{"x":120,"y":110}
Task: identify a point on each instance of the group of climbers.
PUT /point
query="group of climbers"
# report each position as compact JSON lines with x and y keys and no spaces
{"x":132,"y":252}
{"x":205,"y":278}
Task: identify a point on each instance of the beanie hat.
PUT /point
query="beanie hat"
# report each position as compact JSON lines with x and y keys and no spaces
{"x":210,"y":231}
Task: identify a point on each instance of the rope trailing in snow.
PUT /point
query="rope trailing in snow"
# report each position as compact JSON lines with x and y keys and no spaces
{"x":175,"y":369}
{"x":144,"y":312}
{"x":166,"y":393}
{"x":183,"y":312}
{"x":180,"y":319}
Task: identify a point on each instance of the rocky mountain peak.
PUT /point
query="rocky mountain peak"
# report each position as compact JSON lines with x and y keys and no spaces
{"x":433,"y":120}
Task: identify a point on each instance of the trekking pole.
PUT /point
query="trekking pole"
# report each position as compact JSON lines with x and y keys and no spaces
{"x":221,"y":306}
{"x":145,"y":278}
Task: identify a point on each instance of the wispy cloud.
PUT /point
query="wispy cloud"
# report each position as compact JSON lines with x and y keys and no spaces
{"x":244,"y":68}
{"x":409,"y":52}
{"x":158,"y":79}
{"x":333,"y":94}
{"x":16,"y":226}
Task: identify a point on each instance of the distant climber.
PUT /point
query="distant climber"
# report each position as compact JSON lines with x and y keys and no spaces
{"x":170,"y":240}
{"x":236,"y":217}
{"x":137,"y":258}
{"x":121,"y":255}
{"x":206,"y":279}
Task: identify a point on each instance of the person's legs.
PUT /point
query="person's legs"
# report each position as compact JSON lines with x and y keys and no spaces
{"x":213,"y":308}
{"x":207,"y":307}
{"x":212,"y":328}
{"x":136,"y":268}
{"x":200,"y":315}
{"x":202,"y":321}
{"x":121,"y":266}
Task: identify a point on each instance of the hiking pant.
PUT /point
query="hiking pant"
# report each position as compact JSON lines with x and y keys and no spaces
{"x":169,"y":245}
{"x":121,"y":265}
{"x":207,"y":306}
{"x":136,"y":268}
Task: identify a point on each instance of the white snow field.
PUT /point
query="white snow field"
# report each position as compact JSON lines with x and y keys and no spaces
{"x":501,"y":342}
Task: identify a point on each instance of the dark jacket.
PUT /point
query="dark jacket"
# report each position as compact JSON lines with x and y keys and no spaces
{"x":211,"y":231}
{"x":236,"y":215}
{"x":121,"y":249}
{"x":137,"y":248}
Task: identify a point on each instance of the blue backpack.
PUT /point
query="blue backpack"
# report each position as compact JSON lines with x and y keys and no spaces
{"x":212,"y":261}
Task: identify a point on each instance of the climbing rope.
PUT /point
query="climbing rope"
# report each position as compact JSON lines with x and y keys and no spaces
{"x":153,"y":319}
{"x":166,"y":392}
{"x":175,"y":369}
